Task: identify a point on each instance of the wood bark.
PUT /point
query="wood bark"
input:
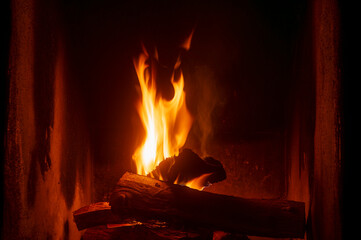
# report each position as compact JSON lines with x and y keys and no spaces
{"x":144,"y":197}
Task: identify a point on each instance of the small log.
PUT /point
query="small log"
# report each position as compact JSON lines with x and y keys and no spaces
{"x":144,"y":197}
{"x":102,"y":224}
{"x":94,"y":215}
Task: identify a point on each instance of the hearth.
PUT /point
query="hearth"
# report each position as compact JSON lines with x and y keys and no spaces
{"x":173,"y":120}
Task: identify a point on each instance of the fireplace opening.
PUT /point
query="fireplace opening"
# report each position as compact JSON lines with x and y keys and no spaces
{"x":260,"y":94}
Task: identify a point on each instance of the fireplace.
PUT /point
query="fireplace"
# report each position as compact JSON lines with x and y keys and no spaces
{"x":261,"y":86}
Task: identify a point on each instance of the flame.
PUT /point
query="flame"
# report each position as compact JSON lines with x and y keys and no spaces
{"x":187,"y":43}
{"x":198,"y":183}
{"x":166,"y":122}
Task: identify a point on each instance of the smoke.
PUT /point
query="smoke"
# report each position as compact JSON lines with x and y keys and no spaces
{"x":204,"y":98}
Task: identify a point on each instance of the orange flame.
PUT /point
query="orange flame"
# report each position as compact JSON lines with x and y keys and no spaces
{"x":166,"y":122}
{"x":187,"y":43}
{"x":196,"y":183}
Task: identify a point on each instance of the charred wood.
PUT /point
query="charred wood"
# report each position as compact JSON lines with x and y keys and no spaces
{"x":147,"y":198}
{"x":94,"y":215}
{"x":187,"y":166}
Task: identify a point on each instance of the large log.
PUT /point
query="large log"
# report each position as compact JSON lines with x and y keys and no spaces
{"x":144,"y":197}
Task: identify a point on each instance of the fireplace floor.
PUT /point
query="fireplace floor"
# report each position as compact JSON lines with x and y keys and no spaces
{"x":111,"y":232}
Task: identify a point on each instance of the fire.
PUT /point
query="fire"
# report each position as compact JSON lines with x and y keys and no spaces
{"x":166,"y":122}
{"x":196,"y":183}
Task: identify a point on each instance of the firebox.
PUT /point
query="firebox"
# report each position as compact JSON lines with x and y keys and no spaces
{"x":226,"y":113}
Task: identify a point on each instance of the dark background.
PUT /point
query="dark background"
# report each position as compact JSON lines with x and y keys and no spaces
{"x":351,"y":119}
{"x":5,"y":25}
{"x":241,"y":75}
{"x":245,"y":52}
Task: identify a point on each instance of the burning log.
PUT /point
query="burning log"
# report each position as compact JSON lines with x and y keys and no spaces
{"x":187,"y":166}
{"x":147,"y":198}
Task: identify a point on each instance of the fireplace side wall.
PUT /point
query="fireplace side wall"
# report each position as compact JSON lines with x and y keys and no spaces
{"x":326,"y":192}
{"x":47,"y":168}
{"x":315,"y":170}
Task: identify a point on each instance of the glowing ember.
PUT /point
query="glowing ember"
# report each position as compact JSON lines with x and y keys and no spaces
{"x":166,"y":122}
{"x":196,"y":183}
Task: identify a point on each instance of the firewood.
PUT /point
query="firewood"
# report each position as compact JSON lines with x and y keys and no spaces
{"x":147,"y":198}
{"x":101,"y":223}
{"x":145,"y":233}
{"x":141,"y":232}
{"x":187,"y":166}
{"x":94,"y":215}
